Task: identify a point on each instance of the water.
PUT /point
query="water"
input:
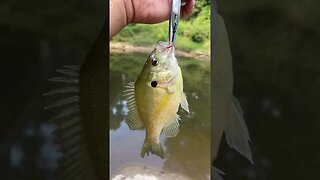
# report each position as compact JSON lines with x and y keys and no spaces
{"x":189,"y":152}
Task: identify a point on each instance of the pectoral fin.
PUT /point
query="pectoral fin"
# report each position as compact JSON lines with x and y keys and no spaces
{"x":171,"y":89}
{"x":166,"y":80}
{"x":133,"y":120}
{"x":172,"y":86}
{"x":168,"y":86}
{"x":184,"y":103}
{"x":172,"y":129}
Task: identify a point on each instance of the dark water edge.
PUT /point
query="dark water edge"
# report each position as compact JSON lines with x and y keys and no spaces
{"x":37,"y":38}
{"x":277,"y":80}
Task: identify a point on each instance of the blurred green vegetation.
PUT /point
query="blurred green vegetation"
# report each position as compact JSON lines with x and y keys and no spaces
{"x":193,"y":32}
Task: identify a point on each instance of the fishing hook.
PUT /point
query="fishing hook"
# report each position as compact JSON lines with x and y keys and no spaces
{"x":174,"y":20}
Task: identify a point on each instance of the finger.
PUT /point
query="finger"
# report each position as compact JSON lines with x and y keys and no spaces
{"x":156,"y":11}
{"x":151,"y":11}
{"x":187,"y":9}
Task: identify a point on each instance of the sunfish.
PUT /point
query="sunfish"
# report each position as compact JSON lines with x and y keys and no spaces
{"x":154,"y":98}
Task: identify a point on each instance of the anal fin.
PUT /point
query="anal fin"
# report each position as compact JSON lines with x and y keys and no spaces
{"x":172,"y":129}
{"x":133,"y":120}
{"x":236,"y":131}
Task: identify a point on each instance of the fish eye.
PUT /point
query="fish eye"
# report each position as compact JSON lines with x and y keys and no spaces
{"x":154,"y":84}
{"x":154,"y":61}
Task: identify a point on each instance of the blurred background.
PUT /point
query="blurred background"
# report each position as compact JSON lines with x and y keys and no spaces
{"x":37,"y":37}
{"x":275,"y":48}
{"x":274,"y":44}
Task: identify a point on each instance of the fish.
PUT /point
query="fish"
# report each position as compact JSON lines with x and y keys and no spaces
{"x":154,"y":98}
{"x":227,"y":114}
{"x":82,"y":114}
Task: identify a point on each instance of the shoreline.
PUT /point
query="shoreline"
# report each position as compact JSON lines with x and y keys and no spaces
{"x":116,"y":47}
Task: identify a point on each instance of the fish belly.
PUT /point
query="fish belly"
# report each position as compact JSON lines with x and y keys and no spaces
{"x":157,"y":107}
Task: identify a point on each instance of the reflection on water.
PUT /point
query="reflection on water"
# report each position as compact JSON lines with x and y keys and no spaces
{"x":189,"y":152}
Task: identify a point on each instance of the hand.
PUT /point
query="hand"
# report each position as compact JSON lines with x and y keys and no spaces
{"x":124,"y":12}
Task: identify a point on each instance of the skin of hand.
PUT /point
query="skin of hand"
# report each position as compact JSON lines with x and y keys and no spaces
{"x":124,"y":12}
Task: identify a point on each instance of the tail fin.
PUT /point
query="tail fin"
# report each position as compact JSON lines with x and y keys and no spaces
{"x":153,"y":148}
{"x":236,"y":131}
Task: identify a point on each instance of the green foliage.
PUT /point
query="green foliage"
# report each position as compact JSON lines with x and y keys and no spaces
{"x":199,"y":29}
{"x":200,"y":4}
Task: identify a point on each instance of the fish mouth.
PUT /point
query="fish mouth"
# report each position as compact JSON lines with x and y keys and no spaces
{"x":166,"y":44}
{"x":163,"y":43}
{"x":166,"y":47}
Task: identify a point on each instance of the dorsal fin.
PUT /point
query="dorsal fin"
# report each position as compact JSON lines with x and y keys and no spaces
{"x":74,"y":163}
{"x":133,"y":120}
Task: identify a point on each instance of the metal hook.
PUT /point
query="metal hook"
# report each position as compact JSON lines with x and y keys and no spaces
{"x":174,"y":20}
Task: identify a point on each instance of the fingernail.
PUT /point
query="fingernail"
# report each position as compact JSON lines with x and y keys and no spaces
{"x":183,"y":2}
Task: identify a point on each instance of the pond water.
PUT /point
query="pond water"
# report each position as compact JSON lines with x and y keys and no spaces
{"x":189,"y":152}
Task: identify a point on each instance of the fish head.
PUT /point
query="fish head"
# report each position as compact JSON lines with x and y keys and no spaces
{"x":161,"y":66}
{"x":161,"y":58}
